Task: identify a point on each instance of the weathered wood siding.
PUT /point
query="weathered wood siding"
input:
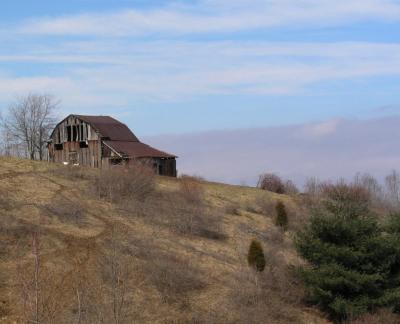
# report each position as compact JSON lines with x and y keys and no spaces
{"x":79,"y":142}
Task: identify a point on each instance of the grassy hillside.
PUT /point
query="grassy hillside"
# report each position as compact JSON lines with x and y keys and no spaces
{"x":177,"y":256}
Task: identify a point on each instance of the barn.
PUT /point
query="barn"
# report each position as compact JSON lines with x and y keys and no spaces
{"x":104,"y":142}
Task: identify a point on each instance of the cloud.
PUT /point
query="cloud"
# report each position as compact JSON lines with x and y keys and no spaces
{"x":236,"y":156}
{"x":114,"y":71}
{"x":322,"y":129}
{"x":216,"y":17}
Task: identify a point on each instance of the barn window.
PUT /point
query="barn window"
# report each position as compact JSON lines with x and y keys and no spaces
{"x":82,"y":135}
{"x":74,"y":133}
{"x":58,"y":147}
{"x":69,"y":134}
{"x":83,"y":144}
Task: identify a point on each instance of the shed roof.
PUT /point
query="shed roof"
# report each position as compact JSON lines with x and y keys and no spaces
{"x":137,"y":149}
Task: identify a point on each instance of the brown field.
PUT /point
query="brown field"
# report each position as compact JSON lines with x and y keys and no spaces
{"x":177,"y":256}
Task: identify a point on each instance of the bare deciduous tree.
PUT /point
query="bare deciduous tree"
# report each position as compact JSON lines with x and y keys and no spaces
{"x":28,"y":122}
{"x":392,"y":182}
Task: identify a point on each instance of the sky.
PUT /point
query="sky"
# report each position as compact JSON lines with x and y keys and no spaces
{"x":192,"y":68}
{"x":329,"y":150}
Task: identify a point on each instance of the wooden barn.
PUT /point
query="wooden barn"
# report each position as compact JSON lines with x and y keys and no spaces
{"x":101,"y":142}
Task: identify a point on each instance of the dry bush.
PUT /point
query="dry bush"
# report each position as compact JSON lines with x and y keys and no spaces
{"x":117,"y":273}
{"x":271,"y":182}
{"x":174,"y":278}
{"x":233,"y":209}
{"x":53,"y":295}
{"x":195,"y":219}
{"x":339,"y":195}
{"x":41,"y":292}
{"x":5,"y":200}
{"x":119,"y":184}
{"x":265,"y":206}
{"x":274,"y":236}
{"x":191,"y":189}
{"x":67,"y":211}
{"x":268,"y":297}
{"x":312,"y":192}
{"x":192,"y":177}
{"x":12,"y":235}
{"x":383,"y":316}
{"x":73,"y":172}
{"x":299,"y":214}
{"x":252,"y":207}
{"x":272,"y":296}
{"x":291,"y":188}
{"x":183,"y":215}
{"x":392,"y":186}
{"x":372,"y":186}
{"x":345,"y":197}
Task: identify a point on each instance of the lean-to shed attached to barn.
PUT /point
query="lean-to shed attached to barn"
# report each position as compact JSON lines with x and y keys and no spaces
{"x":101,"y":142}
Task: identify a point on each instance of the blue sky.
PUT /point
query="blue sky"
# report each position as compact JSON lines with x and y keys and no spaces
{"x":188,"y":66}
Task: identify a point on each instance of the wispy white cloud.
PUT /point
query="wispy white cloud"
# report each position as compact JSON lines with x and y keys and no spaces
{"x":112,"y":72}
{"x":208,"y":16}
{"x":322,"y":129}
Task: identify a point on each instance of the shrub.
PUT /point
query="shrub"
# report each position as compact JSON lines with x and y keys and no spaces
{"x":5,"y":200}
{"x":72,"y":172}
{"x":355,"y":264}
{"x":281,"y":219}
{"x":115,"y":185}
{"x":191,"y":190}
{"x":265,"y":206}
{"x":183,"y":217}
{"x":271,"y":182}
{"x":67,"y":211}
{"x":290,"y":188}
{"x":174,"y":278}
{"x":255,"y":256}
{"x":384,"y":316}
{"x":233,"y":209}
{"x":345,"y":198}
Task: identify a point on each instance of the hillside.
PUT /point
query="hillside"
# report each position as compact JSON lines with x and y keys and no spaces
{"x":176,"y":256}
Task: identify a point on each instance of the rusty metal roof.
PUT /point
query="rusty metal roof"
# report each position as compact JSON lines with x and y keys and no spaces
{"x":136,"y":149}
{"x":110,"y":128}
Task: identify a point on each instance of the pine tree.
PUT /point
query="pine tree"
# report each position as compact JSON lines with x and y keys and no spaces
{"x":354,"y":261}
{"x":281,"y":216}
{"x":255,"y":257}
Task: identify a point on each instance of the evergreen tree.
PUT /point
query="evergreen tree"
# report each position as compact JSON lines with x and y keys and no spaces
{"x":281,"y":215}
{"x":354,"y":261}
{"x":255,"y":256}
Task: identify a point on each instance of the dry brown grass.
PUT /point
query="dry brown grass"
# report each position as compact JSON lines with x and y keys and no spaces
{"x":176,"y":258}
{"x":67,"y":211}
{"x":119,"y":184}
{"x":191,"y":190}
{"x":174,"y":278}
{"x":384,"y":316}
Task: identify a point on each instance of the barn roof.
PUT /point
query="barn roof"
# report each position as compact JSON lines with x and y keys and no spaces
{"x":120,"y":138}
{"x":110,"y":128}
